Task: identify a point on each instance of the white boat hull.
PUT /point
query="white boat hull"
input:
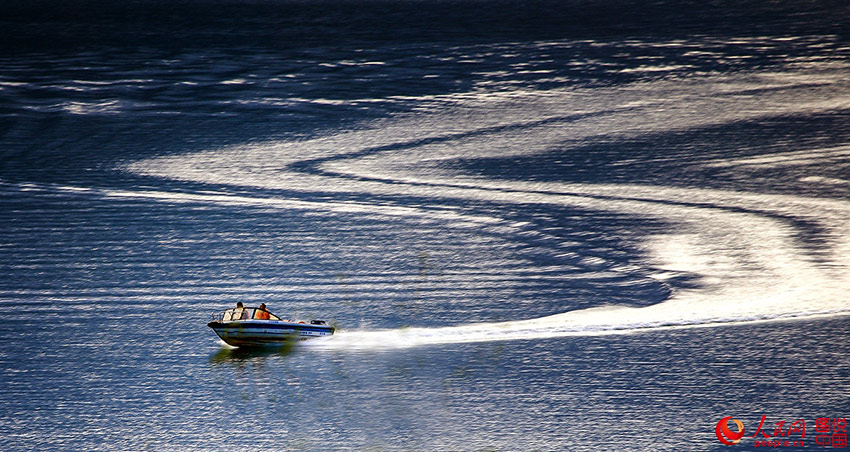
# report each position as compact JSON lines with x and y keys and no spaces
{"x":266,"y":332}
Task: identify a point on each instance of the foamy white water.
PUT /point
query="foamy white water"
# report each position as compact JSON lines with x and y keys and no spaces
{"x":750,"y":270}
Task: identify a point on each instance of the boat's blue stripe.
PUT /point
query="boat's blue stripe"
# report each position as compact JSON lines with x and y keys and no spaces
{"x":270,"y":334}
{"x":238,"y":326}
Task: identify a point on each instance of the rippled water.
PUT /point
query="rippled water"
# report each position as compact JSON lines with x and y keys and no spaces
{"x":554,"y":226}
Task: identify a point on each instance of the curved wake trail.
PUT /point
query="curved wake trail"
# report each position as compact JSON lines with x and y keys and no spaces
{"x":746,"y":251}
{"x":751,"y":267}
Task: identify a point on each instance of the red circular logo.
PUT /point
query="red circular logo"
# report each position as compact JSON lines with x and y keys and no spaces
{"x":726,"y":435}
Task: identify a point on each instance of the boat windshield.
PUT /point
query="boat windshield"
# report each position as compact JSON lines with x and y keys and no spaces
{"x":248,"y":314}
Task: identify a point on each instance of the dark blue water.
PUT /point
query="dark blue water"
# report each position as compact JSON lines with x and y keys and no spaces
{"x":553,"y":225}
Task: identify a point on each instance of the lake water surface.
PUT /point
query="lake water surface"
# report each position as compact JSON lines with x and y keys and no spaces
{"x":555,"y":225}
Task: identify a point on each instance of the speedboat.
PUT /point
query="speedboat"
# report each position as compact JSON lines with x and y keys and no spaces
{"x":250,"y":326}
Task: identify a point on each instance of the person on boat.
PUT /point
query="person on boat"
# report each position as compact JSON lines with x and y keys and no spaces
{"x":262,"y":314}
{"x":239,"y":311}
